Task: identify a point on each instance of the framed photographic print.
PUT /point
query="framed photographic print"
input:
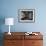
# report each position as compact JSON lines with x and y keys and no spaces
{"x":26,"y":15}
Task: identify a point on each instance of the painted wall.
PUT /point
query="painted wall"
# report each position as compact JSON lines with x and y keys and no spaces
{"x":9,"y":8}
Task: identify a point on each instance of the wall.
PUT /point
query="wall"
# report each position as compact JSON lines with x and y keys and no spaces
{"x":9,"y":8}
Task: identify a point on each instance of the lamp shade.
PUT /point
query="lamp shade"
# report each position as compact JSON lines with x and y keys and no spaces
{"x":9,"y":21}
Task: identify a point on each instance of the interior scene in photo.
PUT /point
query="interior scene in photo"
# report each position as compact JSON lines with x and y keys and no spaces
{"x":27,"y":15}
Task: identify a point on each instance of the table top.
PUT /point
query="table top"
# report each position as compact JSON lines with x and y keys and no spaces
{"x":22,"y":35}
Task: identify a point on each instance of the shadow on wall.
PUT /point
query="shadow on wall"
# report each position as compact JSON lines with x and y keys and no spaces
{"x":2,"y":21}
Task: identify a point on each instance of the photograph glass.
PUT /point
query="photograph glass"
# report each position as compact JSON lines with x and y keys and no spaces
{"x":26,"y":15}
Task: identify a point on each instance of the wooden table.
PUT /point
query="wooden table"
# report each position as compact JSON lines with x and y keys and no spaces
{"x":20,"y":39}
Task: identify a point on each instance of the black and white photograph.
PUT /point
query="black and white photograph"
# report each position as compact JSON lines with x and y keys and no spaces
{"x":26,"y":15}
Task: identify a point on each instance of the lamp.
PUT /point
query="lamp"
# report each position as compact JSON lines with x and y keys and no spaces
{"x":9,"y":21}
